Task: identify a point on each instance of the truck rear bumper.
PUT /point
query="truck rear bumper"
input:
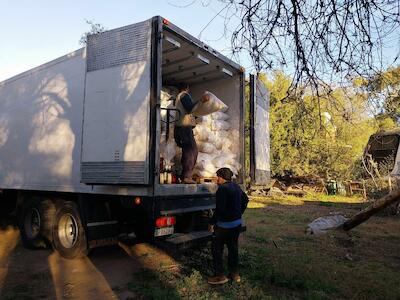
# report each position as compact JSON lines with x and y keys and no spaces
{"x":179,"y":241}
{"x":178,"y":205}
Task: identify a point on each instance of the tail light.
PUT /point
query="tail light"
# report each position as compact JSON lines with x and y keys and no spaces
{"x":138,"y":200}
{"x":165,"y":222}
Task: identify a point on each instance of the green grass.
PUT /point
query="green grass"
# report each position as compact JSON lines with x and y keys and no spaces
{"x":278,"y":261}
{"x":152,"y":285}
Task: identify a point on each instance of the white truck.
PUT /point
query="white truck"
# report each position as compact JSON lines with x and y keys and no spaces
{"x":80,"y":139}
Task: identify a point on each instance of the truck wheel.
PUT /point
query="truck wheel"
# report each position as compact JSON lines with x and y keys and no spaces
{"x":36,"y":223}
{"x":69,"y":237}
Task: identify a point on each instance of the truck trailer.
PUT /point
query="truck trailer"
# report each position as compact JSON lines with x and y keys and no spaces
{"x":382,"y":153}
{"x":80,"y":139}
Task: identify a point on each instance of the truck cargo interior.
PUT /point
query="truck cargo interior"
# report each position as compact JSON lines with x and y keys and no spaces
{"x":185,"y":62}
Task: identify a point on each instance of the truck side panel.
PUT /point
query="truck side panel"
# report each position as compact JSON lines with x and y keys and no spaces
{"x":260,"y":170}
{"x":40,"y":126}
{"x":116,"y":128}
{"x":41,"y":130}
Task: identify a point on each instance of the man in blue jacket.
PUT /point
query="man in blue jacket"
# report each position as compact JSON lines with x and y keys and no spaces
{"x":226,"y":224}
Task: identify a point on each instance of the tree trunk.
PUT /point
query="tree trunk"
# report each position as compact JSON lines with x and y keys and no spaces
{"x":366,"y":213}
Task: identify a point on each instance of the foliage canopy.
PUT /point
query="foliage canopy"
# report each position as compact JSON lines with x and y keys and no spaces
{"x":300,"y":145}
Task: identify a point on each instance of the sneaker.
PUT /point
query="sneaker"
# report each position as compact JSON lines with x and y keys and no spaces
{"x":189,"y":181}
{"x":235,"y":277}
{"x":221,"y":279}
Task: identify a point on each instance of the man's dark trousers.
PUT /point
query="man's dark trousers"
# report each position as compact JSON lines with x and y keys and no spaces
{"x":230,"y":237}
{"x":184,"y":138}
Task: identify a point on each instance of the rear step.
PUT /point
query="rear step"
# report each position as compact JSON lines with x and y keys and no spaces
{"x":179,"y":241}
{"x":186,"y":240}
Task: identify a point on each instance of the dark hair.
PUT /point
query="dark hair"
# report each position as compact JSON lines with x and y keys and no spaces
{"x":225,"y":173}
{"x":182,"y":86}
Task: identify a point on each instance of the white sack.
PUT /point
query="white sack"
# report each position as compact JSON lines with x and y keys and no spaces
{"x":219,"y":115}
{"x":323,"y":224}
{"x":237,"y":165}
{"x":206,"y":165}
{"x":227,"y":146}
{"x":213,"y":104}
{"x":222,"y":134}
{"x":205,"y":157}
{"x":220,"y":125}
{"x":166,"y":101}
{"x":205,"y":162}
{"x":168,"y":150}
{"x":206,"y":148}
{"x":201,"y":133}
{"x":223,"y":143}
{"x":223,"y":159}
{"x":202,"y":173}
{"x":204,"y":120}
{"x":233,"y":169}
{"x":233,"y":165}
{"x":164,"y":97}
{"x":212,"y":138}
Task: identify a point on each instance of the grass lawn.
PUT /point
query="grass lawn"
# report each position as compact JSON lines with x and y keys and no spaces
{"x":279,"y":261}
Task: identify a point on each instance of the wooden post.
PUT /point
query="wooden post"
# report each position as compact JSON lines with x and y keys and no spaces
{"x":366,"y":213}
{"x":364,"y":190}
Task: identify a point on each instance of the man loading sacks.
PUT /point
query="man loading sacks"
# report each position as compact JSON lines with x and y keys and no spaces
{"x":183,"y":132}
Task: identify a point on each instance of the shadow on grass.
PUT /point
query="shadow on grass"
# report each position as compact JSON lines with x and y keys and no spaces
{"x":349,"y":205}
{"x":262,"y":278}
{"x":197,"y":266}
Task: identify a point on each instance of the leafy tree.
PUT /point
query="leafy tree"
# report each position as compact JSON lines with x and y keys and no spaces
{"x":384,"y":90}
{"x":94,"y":29}
{"x":307,"y":139}
{"x":320,"y":40}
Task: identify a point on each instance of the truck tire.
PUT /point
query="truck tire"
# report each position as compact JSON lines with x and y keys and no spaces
{"x":69,"y":236}
{"x":36,"y":222}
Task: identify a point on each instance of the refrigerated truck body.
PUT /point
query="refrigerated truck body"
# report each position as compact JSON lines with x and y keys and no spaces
{"x":80,"y":138}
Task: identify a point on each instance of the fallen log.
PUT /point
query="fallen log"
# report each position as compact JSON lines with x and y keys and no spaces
{"x":366,"y":213}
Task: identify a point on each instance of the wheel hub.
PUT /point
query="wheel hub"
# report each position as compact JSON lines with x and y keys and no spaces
{"x":68,"y":230}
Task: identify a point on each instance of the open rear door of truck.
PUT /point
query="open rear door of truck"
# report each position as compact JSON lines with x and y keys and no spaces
{"x":259,"y":133}
{"x":116,"y":122}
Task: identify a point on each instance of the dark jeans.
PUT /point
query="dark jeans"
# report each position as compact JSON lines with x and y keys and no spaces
{"x":230,"y":237}
{"x":184,"y":138}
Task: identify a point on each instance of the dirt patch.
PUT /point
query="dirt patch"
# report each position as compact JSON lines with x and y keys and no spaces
{"x":43,"y":274}
{"x":278,"y":260}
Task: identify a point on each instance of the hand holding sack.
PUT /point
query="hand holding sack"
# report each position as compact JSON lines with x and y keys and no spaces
{"x":208,"y":104}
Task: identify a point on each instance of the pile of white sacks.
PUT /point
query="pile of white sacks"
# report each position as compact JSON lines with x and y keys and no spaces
{"x":168,"y":149}
{"x":215,"y":139}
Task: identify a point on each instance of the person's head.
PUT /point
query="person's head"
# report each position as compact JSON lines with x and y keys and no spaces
{"x":183,"y":87}
{"x":224,"y":175}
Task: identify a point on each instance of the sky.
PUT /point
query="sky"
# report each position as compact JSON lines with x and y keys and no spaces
{"x":35,"y":32}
